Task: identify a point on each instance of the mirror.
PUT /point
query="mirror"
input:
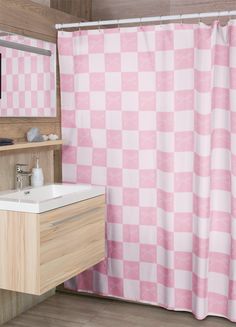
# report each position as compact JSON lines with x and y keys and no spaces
{"x":27,"y":77}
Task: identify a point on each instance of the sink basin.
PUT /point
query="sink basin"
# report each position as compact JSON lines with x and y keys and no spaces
{"x":47,"y":197}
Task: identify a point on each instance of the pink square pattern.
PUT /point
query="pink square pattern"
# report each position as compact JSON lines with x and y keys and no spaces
{"x":147,"y":119}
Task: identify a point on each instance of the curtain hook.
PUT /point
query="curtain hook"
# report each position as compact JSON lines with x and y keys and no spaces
{"x":181,"y":19}
{"x":99,"y":26}
{"x":161,"y":21}
{"x":140,"y":23}
{"x":118,"y":24}
{"x":199,"y":19}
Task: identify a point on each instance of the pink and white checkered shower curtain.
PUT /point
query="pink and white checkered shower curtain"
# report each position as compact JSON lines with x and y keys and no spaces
{"x":150,"y":112}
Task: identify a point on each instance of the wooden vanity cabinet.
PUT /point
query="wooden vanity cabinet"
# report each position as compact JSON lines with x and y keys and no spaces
{"x":40,"y":251}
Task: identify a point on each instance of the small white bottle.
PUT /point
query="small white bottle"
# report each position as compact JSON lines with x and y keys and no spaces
{"x":37,"y":178}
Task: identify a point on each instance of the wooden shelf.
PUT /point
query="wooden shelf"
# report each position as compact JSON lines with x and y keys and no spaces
{"x":30,"y":145}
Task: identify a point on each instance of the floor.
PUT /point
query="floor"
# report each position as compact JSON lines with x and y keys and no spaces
{"x":68,"y":310}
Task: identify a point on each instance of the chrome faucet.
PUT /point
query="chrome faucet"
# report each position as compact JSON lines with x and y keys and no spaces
{"x":20,"y":176}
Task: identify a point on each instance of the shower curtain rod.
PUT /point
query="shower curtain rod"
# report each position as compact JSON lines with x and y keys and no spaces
{"x":159,"y":19}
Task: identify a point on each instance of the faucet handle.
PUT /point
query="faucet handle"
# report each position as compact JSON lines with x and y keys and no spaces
{"x":20,"y":166}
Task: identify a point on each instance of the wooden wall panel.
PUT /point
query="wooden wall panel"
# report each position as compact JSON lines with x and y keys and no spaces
{"x":43,"y":2}
{"x":8,"y":161}
{"x":118,"y":9}
{"x":31,"y":19}
{"x":12,"y":304}
{"x":196,"y":6}
{"x":193,"y":6}
{"x":34,"y":20}
{"x":79,"y":8}
{"x":107,"y":9}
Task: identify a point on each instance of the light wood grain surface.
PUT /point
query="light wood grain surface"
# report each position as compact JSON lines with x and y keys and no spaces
{"x":43,"y":2}
{"x":67,"y":310}
{"x":30,"y":145}
{"x":12,"y":304}
{"x":79,"y":8}
{"x":9,"y":159}
{"x":31,"y":19}
{"x":109,"y":9}
{"x":19,"y":251}
{"x":40,"y":251}
{"x":72,"y":239}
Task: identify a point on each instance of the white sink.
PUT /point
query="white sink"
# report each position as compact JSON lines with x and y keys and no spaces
{"x":47,"y":197}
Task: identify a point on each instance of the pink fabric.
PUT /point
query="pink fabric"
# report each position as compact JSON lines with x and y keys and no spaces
{"x":28,"y":80}
{"x":149,"y":112}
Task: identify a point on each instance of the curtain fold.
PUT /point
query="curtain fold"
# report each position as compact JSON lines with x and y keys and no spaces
{"x":150,"y":112}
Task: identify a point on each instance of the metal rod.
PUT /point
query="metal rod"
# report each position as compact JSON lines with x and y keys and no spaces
{"x":146,"y":19}
{"x":26,"y":48}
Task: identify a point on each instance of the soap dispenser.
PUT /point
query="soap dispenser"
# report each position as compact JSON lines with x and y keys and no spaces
{"x":37,"y":175}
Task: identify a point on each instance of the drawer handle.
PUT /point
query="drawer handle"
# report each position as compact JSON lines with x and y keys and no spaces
{"x":72,"y":218}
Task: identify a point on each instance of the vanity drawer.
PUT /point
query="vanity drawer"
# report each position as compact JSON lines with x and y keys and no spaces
{"x":40,"y":251}
{"x":71,"y":240}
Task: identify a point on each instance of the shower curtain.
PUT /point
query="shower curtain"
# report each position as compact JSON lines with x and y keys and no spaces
{"x":150,"y":112}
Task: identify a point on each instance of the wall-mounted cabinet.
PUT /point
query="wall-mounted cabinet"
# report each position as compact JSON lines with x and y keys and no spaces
{"x":40,"y":251}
